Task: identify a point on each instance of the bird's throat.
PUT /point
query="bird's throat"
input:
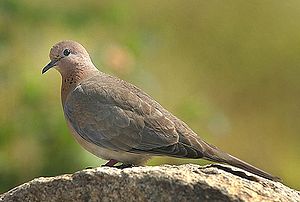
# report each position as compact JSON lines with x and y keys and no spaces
{"x":72,"y":79}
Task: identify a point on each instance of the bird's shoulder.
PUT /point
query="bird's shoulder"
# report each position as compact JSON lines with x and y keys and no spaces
{"x":109,"y":89}
{"x":106,"y":88}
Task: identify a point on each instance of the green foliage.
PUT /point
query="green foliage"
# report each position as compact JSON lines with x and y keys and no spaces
{"x":229,"y":69}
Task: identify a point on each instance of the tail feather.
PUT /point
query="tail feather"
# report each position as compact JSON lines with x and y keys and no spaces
{"x":214,"y":154}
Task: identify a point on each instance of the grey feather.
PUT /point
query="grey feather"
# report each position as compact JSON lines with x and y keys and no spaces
{"x":110,"y":114}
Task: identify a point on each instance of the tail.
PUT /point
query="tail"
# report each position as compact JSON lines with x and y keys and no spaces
{"x":214,"y":154}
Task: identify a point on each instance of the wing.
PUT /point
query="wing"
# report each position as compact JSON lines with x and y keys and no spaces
{"x":115,"y":118}
{"x":110,"y":115}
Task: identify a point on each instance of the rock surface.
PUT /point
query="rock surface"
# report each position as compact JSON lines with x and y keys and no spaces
{"x":157,"y":183}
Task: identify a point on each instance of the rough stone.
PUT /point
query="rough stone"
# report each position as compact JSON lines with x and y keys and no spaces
{"x":157,"y":183}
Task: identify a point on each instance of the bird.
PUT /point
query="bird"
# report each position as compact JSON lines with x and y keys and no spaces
{"x":115,"y":120}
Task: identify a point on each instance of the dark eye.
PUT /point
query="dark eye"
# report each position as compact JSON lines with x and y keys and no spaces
{"x":66,"y":52}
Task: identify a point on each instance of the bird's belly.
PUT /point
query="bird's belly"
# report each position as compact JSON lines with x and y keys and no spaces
{"x":124,"y":157}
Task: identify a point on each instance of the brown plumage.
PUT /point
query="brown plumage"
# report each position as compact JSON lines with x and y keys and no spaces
{"x":117,"y":121}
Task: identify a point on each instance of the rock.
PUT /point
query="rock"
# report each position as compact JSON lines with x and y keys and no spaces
{"x":157,"y":183}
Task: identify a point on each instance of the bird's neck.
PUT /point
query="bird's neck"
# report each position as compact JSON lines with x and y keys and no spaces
{"x":71,"y":79}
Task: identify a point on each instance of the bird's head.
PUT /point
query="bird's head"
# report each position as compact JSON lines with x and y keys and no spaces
{"x":66,"y":55}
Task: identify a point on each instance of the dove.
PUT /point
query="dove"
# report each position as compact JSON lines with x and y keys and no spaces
{"x":117,"y":121}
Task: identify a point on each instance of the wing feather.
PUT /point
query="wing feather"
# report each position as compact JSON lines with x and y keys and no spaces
{"x":115,"y":118}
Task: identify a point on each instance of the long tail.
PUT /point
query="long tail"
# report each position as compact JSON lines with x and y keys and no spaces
{"x":214,"y":154}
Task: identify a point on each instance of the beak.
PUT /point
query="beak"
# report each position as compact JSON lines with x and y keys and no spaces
{"x":48,"y":66}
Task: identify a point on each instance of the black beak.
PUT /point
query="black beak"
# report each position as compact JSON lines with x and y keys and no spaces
{"x":48,"y":66}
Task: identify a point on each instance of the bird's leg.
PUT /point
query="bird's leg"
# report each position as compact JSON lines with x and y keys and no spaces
{"x":111,"y":163}
{"x":124,"y":166}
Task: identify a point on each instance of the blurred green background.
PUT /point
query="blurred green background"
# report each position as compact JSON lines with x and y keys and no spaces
{"x":230,"y":69}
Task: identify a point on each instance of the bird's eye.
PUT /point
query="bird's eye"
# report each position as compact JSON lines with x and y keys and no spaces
{"x":66,"y":52}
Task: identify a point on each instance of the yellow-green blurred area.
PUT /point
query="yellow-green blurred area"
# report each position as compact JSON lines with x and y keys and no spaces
{"x":229,"y":69}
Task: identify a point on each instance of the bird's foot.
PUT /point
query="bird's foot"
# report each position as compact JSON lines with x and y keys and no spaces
{"x":122,"y":166}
